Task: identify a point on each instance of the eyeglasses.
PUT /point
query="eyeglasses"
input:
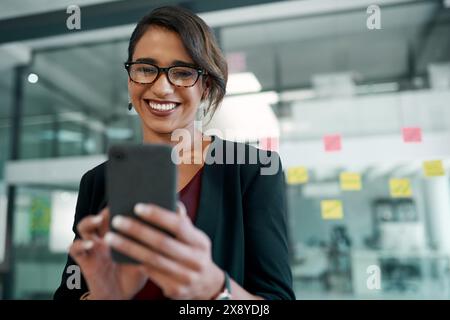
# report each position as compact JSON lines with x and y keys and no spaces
{"x":147,"y":73}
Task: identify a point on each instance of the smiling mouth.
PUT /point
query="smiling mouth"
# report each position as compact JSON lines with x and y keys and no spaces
{"x":162,"y":106}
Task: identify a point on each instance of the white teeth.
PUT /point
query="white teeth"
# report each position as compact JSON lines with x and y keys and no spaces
{"x":162,"y":107}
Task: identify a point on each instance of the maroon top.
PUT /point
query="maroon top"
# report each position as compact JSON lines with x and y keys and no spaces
{"x":190,"y":196}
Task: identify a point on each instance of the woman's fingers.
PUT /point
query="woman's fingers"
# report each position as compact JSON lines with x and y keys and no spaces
{"x":148,"y":257}
{"x":80,"y":250}
{"x":158,"y":241}
{"x":177,"y":224}
{"x":93,"y":226}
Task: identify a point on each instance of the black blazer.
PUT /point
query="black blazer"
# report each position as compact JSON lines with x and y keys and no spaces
{"x":242,"y":211}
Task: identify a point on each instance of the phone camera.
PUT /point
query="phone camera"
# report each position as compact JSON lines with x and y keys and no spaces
{"x":119,"y":155}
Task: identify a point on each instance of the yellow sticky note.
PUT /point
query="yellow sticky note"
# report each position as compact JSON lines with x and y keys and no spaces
{"x":433,"y":168}
{"x":297,"y":175}
{"x":331,"y":209}
{"x":400,"y":188}
{"x":350,"y":181}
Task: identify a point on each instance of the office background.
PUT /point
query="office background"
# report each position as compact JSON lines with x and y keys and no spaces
{"x":317,"y":80}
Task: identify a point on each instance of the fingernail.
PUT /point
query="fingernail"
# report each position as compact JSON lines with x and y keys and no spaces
{"x":88,"y":244}
{"x":111,"y":239}
{"x":142,"y":209}
{"x":181,"y":209}
{"x":97,"y":219}
{"x":120,"y":223}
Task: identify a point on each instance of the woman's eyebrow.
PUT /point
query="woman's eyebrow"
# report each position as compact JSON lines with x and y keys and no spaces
{"x":174,"y":62}
{"x":148,"y":60}
{"x":183,"y":63}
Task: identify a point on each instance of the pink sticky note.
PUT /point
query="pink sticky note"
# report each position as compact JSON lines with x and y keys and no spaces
{"x":332,"y":142}
{"x":412,"y":134}
{"x":270,"y":143}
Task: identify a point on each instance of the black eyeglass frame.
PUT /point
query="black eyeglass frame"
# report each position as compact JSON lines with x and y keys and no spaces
{"x":164,"y":70}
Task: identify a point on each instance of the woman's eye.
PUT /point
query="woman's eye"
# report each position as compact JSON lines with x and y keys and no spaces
{"x":147,"y":70}
{"x":182,"y":74}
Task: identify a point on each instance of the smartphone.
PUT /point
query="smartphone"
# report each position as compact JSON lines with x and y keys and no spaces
{"x":139,"y":173}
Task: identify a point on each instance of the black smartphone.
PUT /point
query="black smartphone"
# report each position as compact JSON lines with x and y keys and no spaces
{"x":139,"y":173}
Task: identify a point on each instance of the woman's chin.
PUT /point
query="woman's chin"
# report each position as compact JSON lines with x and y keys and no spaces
{"x":159,"y":128}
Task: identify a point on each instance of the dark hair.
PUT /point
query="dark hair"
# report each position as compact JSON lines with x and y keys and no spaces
{"x":199,"y":42}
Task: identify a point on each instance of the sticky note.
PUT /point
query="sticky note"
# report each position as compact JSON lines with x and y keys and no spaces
{"x":332,"y":143}
{"x":270,"y":143}
{"x":350,"y":181}
{"x":331,"y":209}
{"x":433,"y":168}
{"x":400,"y":188}
{"x":412,"y":135}
{"x":297,"y":175}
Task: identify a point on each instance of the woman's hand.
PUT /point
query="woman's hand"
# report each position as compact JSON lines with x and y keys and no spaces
{"x":105,"y":278}
{"x":180,"y":265}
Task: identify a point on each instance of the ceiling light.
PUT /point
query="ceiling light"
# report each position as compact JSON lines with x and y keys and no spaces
{"x":33,"y":78}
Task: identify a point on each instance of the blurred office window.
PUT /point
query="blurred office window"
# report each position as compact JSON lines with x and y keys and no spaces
{"x":39,"y":245}
{"x":334,"y":75}
{"x":62,"y":204}
{"x":79,"y":99}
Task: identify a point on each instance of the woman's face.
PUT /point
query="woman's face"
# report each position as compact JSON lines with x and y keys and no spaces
{"x":164,"y":47}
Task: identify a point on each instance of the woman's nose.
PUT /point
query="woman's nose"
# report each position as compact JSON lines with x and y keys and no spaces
{"x":162,"y":86}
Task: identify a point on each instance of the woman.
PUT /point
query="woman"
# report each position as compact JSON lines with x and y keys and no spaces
{"x":230,"y":227}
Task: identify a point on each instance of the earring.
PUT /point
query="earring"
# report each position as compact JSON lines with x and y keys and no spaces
{"x":130,"y":106}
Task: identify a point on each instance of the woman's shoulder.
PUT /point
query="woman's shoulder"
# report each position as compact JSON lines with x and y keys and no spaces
{"x":95,"y":174}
